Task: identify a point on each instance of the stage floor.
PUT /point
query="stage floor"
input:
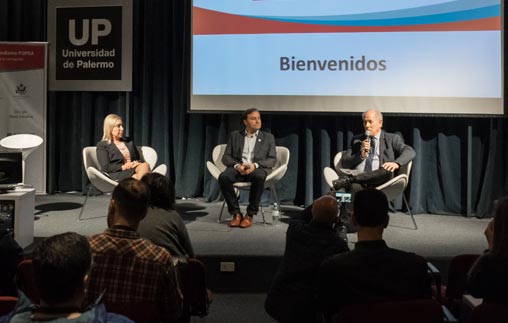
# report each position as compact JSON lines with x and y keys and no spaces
{"x":437,"y":236}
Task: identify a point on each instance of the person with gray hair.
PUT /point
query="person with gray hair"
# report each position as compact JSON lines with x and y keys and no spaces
{"x":371,"y":160}
{"x":311,"y":238}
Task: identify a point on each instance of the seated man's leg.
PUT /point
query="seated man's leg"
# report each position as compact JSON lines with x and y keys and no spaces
{"x":257,"y":180}
{"x":226,"y":180}
{"x":374,"y":178}
{"x":366,"y":179}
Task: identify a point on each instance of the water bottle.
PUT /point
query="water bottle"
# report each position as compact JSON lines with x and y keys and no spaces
{"x":275,"y":214}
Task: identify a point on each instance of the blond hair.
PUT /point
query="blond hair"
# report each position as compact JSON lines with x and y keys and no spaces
{"x":109,"y":124}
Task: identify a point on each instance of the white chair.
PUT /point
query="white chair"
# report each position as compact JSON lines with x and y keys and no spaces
{"x":102,"y":181}
{"x":392,"y":188}
{"x":24,"y":143}
{"x":216,"y":167}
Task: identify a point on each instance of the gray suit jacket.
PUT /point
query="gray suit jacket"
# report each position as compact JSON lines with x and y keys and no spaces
{"x":265,"y":154}
{"x":391,"y":149}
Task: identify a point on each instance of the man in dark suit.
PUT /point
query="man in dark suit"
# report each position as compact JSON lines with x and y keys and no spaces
{"x":250,"y":156}
{"x":372,"y":159}
{"x":372,"y":272}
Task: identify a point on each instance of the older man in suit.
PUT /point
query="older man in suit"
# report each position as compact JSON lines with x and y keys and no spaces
{"x":250,"y":156}
{"x":372,"y":158}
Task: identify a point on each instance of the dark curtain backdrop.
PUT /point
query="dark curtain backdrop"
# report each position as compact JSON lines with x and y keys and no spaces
{"x":155,"y":114}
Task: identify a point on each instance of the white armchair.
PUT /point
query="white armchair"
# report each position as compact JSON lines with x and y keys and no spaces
{"x":102,"y":181}
{"x":216,"y":167}
{"x":392,"y":188}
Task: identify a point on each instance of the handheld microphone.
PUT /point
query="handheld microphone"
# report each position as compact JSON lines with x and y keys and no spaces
{"x":367,"y":136}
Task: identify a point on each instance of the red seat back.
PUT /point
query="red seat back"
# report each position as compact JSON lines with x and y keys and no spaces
{"x":136,"y":311}
{"x":417,"y":311}
{"x":26,"y":281}
{"x":490,"y":313}
{"x":457,"y":275}
{"x":7,"y":304}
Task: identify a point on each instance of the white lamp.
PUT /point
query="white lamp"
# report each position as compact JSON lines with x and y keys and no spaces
{"x":25,"y":143}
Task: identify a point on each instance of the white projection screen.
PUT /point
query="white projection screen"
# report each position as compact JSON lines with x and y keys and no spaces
{"x":400,"y":56}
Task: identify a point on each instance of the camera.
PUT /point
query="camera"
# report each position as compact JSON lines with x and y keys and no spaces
{"x":343,"y":197}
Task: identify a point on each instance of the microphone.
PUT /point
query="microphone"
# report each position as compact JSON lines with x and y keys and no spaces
{"x":367,"y":136}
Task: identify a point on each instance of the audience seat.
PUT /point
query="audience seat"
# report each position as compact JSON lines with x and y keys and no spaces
{"x":137,"y":311}
{"x":196,"y":298}
{"x":417,"y":311}
{"x":490,"y":313}
{"x":457,"y":276}
{"x":26,"y":282}
{"x":7,"y":304}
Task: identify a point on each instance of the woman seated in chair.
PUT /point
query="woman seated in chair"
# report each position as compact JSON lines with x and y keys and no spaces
{"x":117,"y":155}
{"x":488,"y":278}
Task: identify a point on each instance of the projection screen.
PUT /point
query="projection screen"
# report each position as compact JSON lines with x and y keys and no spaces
{"x":401,"y":56}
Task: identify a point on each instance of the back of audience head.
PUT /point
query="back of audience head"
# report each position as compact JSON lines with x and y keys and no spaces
{"x":370,"y":209}
{"x":162,"y":191}
{"x":129,"y":201}
{"x":500,"y":239}
{"x":324,"y":210}
{"x":61,"y":263}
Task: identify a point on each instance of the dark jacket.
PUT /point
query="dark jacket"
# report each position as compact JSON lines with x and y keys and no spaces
{"x":265,"y":154}
{"x":291,"y":295}
{"x":391,"y":149}
{"x":371,"y":273}
{"x":111,"y":159}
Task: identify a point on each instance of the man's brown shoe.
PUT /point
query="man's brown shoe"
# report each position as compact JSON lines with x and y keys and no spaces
{"x":246,"y":222}
{"x":237,"y":219}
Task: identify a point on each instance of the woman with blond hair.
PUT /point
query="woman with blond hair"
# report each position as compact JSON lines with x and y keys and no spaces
{"x":117,"y":155}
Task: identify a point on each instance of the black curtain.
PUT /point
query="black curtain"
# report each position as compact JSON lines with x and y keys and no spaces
{"x":155,"y":113}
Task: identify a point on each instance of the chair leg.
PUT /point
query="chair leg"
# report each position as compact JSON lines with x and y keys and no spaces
{"x":263,"y":213}
{"x":84,"y":203}
{"x":409,"y":211}
{"x":221,"y":210}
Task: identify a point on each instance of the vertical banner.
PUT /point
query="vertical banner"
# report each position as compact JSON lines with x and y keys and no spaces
{"x":90,"y":45}
{"x":23,"y":76}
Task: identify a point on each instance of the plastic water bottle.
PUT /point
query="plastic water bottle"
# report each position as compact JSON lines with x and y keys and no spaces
{"x":275,"y":214}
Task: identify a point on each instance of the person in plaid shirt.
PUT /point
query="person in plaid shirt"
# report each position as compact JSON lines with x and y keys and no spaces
{"x":127,"y":268}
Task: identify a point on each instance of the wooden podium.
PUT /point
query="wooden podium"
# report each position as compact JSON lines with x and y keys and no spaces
{"x":24,"y":208}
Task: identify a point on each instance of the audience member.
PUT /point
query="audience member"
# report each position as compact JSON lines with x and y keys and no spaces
{"x":311,"y":237}
{"x":127,"y":268}
{"x":11,"y":254}
{"x":488,"y":278}
{"x":162,"y":224}
{"x":118,"y":155}
{"x":372,"y":159}
{"x":61,"y":264}
{"x":250,"y":156}
{"x":372,"y":272}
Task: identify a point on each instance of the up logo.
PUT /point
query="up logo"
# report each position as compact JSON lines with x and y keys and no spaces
{"x":90,"y":28}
